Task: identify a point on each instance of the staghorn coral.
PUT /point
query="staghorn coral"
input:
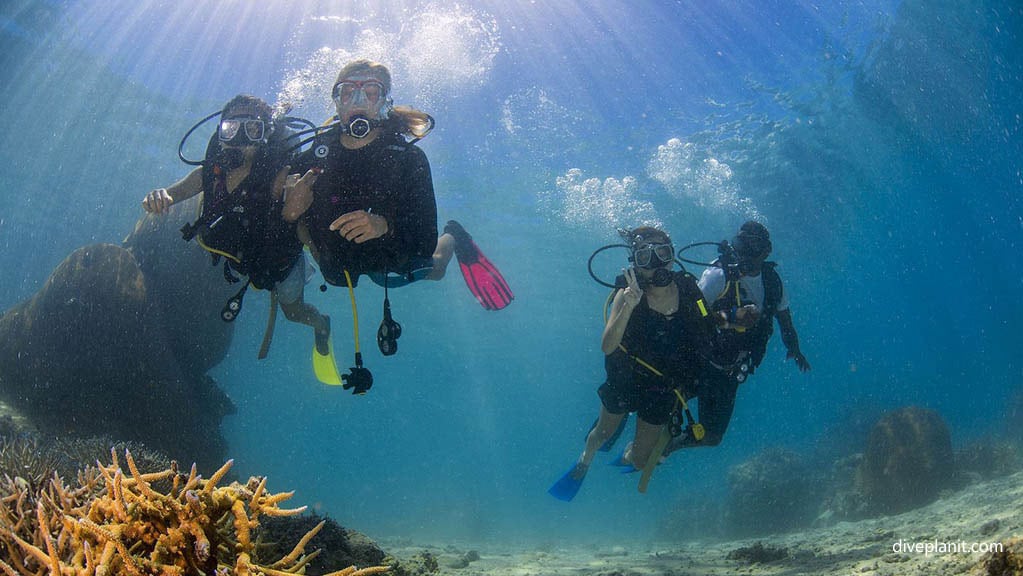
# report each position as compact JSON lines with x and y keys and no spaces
{"x":78,"y":453}
{"x":23,"y":457}
{"x":114,"y":522}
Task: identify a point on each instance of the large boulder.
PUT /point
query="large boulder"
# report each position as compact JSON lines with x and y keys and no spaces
{"x":908,"y":461}
{"x":111,"y":346}
{"x":772,"y":492}
{"x":184,"y":288}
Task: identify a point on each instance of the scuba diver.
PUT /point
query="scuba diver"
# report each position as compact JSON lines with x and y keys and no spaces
{"x":363,"y":197}
{"x":242,"y":178}
{"x":654,"y":341}
{"x":746,"y":295}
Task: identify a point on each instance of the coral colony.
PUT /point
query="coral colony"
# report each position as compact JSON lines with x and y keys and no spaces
{"x":117,"y":523}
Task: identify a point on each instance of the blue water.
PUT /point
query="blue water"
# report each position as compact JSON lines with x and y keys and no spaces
{"x":879,"y":140}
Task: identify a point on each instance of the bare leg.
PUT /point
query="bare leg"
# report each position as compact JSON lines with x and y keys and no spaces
{"x":646,"y":437}
{"x":441,"y":256}
{"x":303,"y":313}
{"x":607,"y":423}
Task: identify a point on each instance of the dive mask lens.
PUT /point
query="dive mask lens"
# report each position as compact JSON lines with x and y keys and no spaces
{"x":664,"y":252}
{"x":254,"y":130}
{"x":229,"y":129}
{"x":642,"y":257}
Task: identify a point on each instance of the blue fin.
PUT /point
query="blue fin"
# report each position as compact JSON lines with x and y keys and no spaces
{"x":568,"y":485}
{"x":626,"y":467}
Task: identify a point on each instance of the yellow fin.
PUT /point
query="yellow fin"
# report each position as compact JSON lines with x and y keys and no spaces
{"x":325,"y":367}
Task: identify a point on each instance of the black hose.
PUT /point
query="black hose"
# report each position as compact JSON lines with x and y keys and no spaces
{"x":181,"y":145}
{"x":589,"y":263}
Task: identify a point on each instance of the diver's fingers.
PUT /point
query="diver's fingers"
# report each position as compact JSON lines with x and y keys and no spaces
{"x":351,"y":225}
{"x":342,"y":220}
{"x":163,"y":202}
{"x":309,"y":178}
{"x":360,"y":226}
{"x":157,"y":202}
{"x":301,"y":184}
{"x":630,"y":277}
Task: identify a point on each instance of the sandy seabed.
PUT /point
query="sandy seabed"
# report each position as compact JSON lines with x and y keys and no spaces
{"x":982,"y":514}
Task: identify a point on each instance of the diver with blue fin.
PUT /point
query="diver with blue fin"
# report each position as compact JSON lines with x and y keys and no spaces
{"x":747,"y":297}
{"x":654,"y":342}
{"x":242,"y":177}
{"x":362,"y":197}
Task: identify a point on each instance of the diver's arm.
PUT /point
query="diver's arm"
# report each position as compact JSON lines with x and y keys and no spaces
{"x":279,"y":181}
{"x":624,"y":303}
{"x":160,"y":200}
{"x":791,"y":339}
{"x":412,"y":217}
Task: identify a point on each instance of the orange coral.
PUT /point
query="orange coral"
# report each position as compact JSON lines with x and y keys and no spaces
{"x":116,"y":523}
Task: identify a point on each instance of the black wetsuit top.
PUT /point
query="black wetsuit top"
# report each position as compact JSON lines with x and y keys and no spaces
{"x":673,"y":345}
{"x":245,"y":226}
{"x":388,"y":176}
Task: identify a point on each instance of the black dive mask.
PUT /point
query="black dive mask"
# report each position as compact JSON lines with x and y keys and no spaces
{"x":750,"y":252}
{"x":359,"y":126}
{"x":230,"y":157}
{"x":650,"y":256}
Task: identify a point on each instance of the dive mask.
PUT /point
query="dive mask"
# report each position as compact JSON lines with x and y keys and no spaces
{"x":653,"y":255}
{"x":349,"y":91}
{"x":241,"y":131}
{"x":750,"y":252}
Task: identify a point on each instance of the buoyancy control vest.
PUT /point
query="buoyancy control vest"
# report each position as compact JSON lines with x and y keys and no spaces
{"x":244,"y":226}
{"x":733,"y":345}
{"x":389,"y":177}
{"x":675,"y":345}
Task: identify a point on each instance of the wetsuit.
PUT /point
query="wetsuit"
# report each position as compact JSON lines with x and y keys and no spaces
{"x":673,"y":345}
{"x":736,"y":354}
{"x":245,"y":226}
{"x":388,"y":177}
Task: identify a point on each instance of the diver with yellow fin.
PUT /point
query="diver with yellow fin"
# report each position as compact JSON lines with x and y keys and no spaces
{"x":362,"y":196}
{"x":242,"y":177}
{"x":654,"y":341}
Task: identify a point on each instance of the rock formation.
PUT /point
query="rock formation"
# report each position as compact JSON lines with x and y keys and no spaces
{"x":908,"y":460}
{"x":118,"y":341}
